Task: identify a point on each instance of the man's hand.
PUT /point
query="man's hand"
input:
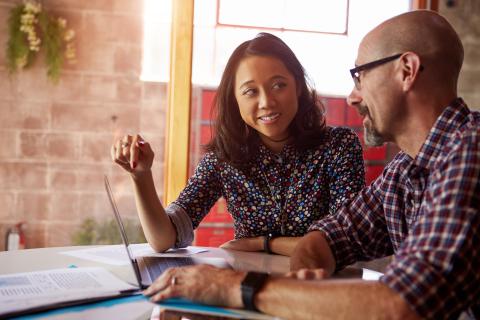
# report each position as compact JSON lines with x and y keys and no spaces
{"x":244,"y":244}
{"x":313,"y":252}
{"x":200,"y":283}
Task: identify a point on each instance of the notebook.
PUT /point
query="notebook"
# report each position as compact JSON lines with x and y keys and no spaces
{"x":147,"y":269}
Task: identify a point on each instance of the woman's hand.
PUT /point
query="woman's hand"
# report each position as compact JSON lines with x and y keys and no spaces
{"x":244,"y":244}
{"x":133,"y":154}
{"x":202,"y":283}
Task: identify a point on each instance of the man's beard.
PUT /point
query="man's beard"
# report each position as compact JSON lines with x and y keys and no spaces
{"x":372,"y":137}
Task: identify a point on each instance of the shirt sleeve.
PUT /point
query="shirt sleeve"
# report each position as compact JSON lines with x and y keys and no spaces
{"x":202,"y":191}
{"x":358,"y":231}
{"x":436,"y":269}
{"x":346,"y":168}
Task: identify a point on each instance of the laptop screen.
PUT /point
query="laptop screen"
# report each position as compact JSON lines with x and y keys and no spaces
{"x":123,"y":233}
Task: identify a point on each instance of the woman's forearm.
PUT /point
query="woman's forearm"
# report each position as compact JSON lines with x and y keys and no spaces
{"x":157,"y":227}
{"x":283,"y":245}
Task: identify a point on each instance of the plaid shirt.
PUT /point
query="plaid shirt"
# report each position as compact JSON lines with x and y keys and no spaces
{"x":427,"y":211}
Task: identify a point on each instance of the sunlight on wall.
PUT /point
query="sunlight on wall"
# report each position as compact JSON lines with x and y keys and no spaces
{"x":326,"y":57}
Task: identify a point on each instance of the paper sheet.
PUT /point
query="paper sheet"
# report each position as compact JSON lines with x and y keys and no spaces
{"x":117,"y":255}
{"x":22,"y":291}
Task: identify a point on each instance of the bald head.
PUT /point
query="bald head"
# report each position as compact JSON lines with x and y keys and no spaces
{"x":427,"y":34}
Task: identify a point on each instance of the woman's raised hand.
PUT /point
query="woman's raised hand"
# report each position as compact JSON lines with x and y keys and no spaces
{"x":133,"y":154}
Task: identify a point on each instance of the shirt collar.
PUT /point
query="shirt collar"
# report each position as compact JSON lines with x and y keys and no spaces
{"x":452,"y":117}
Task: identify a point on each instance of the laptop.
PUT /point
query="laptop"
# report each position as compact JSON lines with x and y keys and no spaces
{"x":147,"y":269}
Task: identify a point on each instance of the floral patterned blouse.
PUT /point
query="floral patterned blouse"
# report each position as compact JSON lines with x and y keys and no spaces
{"x":281,"y":193}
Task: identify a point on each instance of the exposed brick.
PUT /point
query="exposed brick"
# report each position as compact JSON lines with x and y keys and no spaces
{"x":156,"y":92}
{"x":126,"y":205}
{"x":99,"y":88}
{"x":36,"y":234}
{"x":23,"y":175}
{"x":128,"y":60}
{"x":128,"y":6}
{"x":69,"y":89}
{"x":6,"y":86}
{"x":32,"y":206}
{"x":102,"y":5}
{"x":152,"y":120}
{"x":24,"y":114}
{"x":102,"y":25}
{"x":131,"y":27}
{"x":129,"y":91}
{"x":7,"y":205}
{"x":64,"y":207}
{"x":468,"y":80}
{"x":63,"y":179}
{"x":62,"y":146}
{"x":91,"y":180}
{"x":94,"y":56}
{"x":96,"y":147}
{"x":81,"y":117}
{"x":35,"y":78}
{"x":95,"y":205}
{"x":8,"y":141}
{"x":33,"y":145}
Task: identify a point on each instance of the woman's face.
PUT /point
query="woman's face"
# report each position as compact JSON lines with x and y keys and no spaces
{"x":267,"y":96}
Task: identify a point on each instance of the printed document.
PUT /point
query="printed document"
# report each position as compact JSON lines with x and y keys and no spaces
{"x":30,"y":290}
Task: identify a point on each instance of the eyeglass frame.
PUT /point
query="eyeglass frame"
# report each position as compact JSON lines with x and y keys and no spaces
{"x":355,"y":72}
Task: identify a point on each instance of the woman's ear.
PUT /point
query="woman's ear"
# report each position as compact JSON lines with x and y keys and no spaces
{"x":411,"y":67}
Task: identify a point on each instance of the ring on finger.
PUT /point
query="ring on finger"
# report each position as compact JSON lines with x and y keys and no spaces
{"x":173,"y":281}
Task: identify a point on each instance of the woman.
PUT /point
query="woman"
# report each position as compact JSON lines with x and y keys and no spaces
{"x":272,"y":158}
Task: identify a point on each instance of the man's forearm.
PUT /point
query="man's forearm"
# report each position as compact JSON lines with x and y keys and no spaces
{"x":329,"y":299}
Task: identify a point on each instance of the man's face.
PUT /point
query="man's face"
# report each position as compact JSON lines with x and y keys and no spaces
{"x":374,"y":97}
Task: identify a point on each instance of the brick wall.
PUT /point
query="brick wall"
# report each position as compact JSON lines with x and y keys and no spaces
{"x":55,"y":139}
{"x":464,"y":15}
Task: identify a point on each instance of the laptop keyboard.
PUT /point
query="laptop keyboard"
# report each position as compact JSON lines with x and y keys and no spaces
{"x":157,"y":265}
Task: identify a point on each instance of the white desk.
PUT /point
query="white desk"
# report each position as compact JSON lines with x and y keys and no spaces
{"x":49,"y":258}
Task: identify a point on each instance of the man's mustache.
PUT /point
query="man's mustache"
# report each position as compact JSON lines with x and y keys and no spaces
{"x":362,"y":110}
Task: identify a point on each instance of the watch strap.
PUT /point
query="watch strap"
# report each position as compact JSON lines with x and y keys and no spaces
{"x":266,"y":243}
{"x":251,"y":284}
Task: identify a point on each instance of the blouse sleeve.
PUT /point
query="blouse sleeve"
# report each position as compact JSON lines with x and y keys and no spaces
{"x":194,"y":202}
{"x":346,"y":168}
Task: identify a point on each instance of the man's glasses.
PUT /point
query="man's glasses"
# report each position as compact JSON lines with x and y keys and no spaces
{"x":355,"y":72}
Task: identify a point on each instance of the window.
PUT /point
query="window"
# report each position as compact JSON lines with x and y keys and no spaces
{"x":300,"y":15}
{"x":327,"y":57}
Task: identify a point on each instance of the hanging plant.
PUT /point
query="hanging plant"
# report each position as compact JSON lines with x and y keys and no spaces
{"x":32,"y":29}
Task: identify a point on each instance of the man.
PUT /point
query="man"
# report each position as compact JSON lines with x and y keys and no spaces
{"x":424,"y":208}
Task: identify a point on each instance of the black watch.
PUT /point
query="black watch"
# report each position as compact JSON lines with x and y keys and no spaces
{"x":266,"y":242}
{"x":251,"y":284}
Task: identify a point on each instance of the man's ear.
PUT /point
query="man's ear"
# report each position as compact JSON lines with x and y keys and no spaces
{"x":411,"y":68}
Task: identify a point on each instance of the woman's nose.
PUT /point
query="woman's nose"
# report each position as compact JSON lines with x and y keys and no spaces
{"x":266,"y":100}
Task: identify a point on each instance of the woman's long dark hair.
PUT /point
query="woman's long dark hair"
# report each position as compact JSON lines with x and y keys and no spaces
{"x":233,"y":141}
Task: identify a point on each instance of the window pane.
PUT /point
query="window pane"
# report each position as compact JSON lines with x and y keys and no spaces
{"x":306,"y":15}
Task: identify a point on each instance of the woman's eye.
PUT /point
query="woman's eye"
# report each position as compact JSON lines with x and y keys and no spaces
{"x":279,"y":85}
{"x":249,"y":92}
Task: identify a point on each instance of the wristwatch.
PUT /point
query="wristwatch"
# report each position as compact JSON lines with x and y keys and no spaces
{"x":266,"y":242}
{"x":251,"y":284}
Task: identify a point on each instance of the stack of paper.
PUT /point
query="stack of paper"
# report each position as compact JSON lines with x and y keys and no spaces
{"x":22,"y":293}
